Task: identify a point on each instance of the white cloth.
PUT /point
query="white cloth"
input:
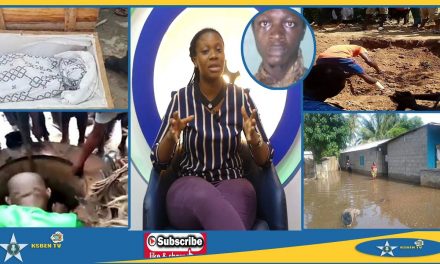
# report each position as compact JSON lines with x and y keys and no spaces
{"x":89,"y":82}
{"x":24,"y":77}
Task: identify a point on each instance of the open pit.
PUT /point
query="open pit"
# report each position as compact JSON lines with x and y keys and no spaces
{"x":53,"y":162}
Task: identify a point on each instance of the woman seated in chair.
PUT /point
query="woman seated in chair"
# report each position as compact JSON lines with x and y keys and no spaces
{"x":207,"y":117}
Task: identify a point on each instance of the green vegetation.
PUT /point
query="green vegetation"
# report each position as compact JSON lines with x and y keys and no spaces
{"x":325,"y":134}
{"x":384,"y":126}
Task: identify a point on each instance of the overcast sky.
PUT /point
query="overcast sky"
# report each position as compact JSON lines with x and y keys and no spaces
{"x":427,"y":117}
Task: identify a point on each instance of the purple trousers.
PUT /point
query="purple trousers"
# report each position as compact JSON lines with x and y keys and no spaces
{"x":194,"y":203}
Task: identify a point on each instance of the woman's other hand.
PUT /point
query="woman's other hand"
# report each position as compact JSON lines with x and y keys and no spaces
{"x":249,"y":127}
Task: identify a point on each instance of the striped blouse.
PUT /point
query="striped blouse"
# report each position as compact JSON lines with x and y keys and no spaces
{"x":211,"y":141}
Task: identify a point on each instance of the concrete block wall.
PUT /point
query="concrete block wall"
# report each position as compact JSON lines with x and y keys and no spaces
{"x":309,"y":167}
{"x":331,"y":164}
{"x":370,"y":156}
{"x":430,"y":178}
{"x":407,"y":155}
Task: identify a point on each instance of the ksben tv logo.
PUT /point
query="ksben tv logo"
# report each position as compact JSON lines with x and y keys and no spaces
{"x":400,"y":247}
{"x":158,"y":245}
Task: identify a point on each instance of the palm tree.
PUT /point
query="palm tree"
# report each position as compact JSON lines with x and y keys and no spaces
{"x":353,"y":122}
{"x":377,"y":126}
{"x":384,"y":126}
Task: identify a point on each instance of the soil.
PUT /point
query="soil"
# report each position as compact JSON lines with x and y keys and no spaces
{"x":113,"y":36}
{"x":410,"y":59}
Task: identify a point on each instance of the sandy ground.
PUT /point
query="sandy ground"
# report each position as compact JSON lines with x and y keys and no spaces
{"x":55,"y":134}
{"x":113,"y":36}
{"x":409,"y":58}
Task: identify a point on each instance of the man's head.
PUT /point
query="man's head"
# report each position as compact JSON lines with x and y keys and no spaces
{"x":278,"y":35}
{"x":28,"y":189}
{"x":324,"y":81}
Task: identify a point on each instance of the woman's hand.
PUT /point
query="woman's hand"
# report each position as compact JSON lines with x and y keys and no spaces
{"x":177,"y":125}
{"x":249,"y":127}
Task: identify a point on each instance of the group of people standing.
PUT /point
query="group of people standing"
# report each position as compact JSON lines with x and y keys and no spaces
{"x":366,"y":16}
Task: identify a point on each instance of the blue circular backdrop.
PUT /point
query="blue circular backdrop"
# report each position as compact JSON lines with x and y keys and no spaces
{"x":147,"y":113}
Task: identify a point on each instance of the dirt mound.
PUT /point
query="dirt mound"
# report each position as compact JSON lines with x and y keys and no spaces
{"x":410,"y":63}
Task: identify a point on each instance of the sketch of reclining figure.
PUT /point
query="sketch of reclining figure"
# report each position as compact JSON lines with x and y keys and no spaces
{"x":71,"y":75}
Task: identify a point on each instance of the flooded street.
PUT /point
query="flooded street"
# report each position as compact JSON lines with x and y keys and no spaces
{"x":382,"y":203}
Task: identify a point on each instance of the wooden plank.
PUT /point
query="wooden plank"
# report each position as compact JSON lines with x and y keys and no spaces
{"x":37,"y":26}
{"x":88,"y":14}
{"x":103,"y":73}
{"x":28,"y":32}
{"x":2,"y":20}
{"x":69,"y":16}
{"x":33,"y":14}
{"x":85,"y":26}
{"x":70,"y":19}
{"x":59,"y":26}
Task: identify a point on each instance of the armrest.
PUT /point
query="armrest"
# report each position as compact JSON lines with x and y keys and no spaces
{"x":271,"y":199}
{"x":154,"y":212}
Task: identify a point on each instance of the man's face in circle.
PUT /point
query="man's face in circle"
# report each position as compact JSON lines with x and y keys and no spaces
{"x":278,"y":35}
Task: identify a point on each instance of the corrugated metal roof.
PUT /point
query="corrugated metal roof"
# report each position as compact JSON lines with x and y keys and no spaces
{"x":379,"y":142}
{"x":365,"y":146}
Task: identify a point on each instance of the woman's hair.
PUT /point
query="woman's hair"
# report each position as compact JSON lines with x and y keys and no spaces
{"x":192,"y":50}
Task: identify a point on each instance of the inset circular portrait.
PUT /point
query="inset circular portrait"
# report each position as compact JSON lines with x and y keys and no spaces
{"x":278,"y":48}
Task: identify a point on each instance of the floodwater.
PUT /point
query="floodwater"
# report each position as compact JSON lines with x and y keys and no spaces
{"x":382,"y":203}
